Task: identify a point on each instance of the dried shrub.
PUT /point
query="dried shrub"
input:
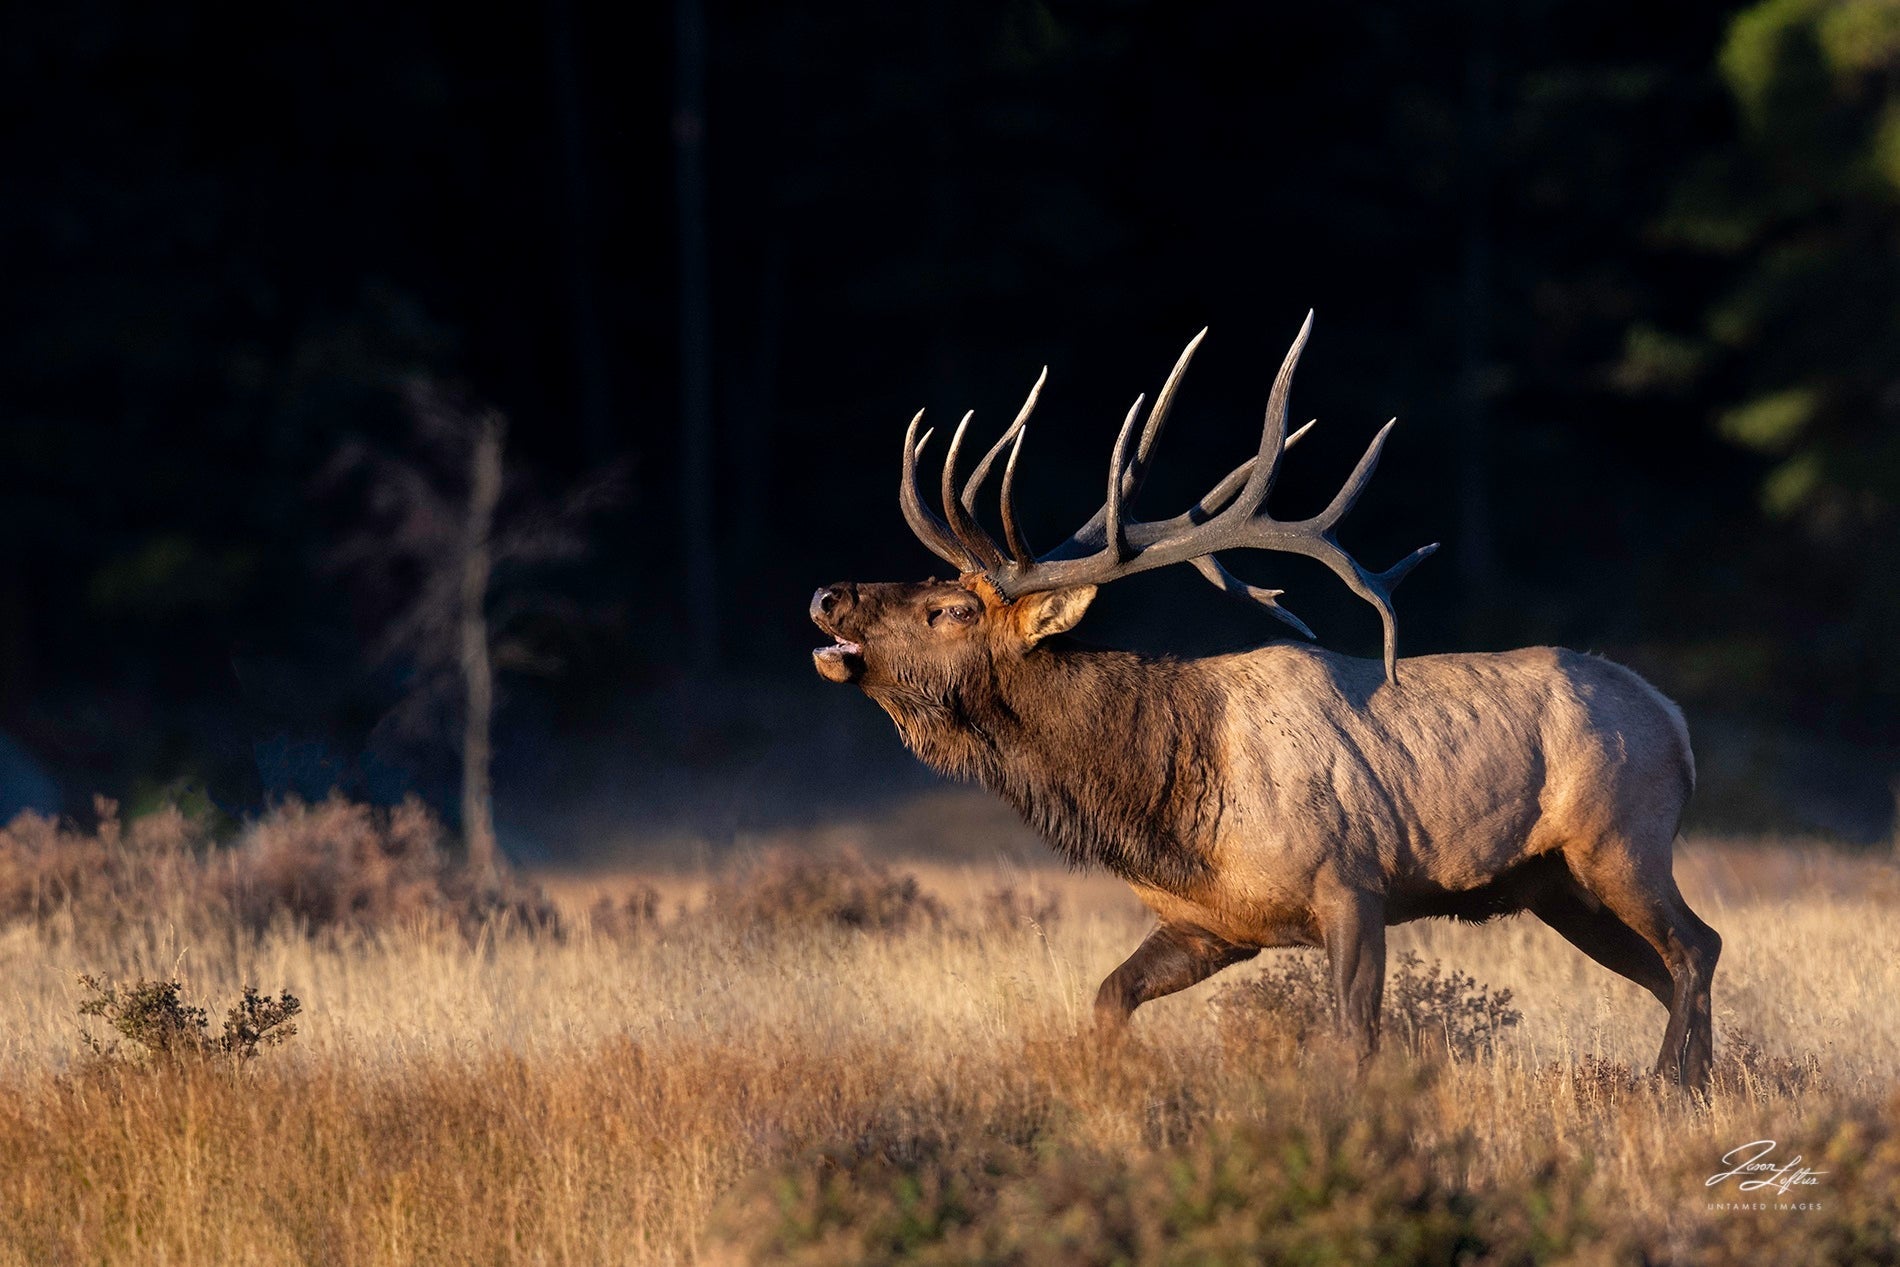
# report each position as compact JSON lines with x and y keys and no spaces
{"x":634,"y":915}
{"x":53,"y":872}
{"x":1594,"y":1082}
{"x":1744,"y":1068}
{"x":784,"y":889}
{"x":339,"y":864}
{"x":1353,"y":1188}
{"x":164,"y":1029}
{"x":1007,"y":909}
{"x":1288,"y":1004}
{"x":1445,"y":1012}
{"x":256,"y":1021}
{"x":1433,"y":1012}
{"x":334,"y":865}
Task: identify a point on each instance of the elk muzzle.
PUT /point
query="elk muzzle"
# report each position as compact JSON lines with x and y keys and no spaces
{"x":843,"y":660}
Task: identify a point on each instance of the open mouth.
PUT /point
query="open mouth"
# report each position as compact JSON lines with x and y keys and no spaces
{"x":842,"y":661}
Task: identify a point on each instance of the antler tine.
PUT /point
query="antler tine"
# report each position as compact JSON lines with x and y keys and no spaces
{"x":930,"y":530}
{"x":1223,"y":492}
{"x":1219,"y":495}
{"x":976,"y":542}
{"x":1157,"y":419}
{"x":1355,"y":483}
{"x":1375,"y":587}
{"x":1135,"y":473}
{"x":982,"y":472}
{"x":1012,"y":534}
{"x":1273,"y":431}
{"x":1117,"y":542}
{"x":1390,"y":578}
{"x":1210,"y":567}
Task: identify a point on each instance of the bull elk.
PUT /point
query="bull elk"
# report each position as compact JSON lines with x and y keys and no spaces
{"x":1285,"y":796}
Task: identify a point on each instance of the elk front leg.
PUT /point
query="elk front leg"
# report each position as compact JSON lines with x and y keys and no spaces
{"x":1174,"y":957}
{"x":1353,"y":928}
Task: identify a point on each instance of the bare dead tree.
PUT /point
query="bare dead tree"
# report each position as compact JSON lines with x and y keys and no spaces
{"x":455,"y":534}
{"x":478,"y":670}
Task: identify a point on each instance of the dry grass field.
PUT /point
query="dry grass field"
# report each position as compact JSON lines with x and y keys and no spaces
{"x":828,"y":1063}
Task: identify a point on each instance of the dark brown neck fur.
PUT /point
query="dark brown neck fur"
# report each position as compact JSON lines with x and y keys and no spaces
{"x":1113,"y":758}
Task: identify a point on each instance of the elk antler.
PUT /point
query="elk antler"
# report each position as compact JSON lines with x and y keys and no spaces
{"x":1111,"y":545}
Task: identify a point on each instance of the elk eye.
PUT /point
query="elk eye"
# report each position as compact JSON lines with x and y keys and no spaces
{"x":957,"y":614}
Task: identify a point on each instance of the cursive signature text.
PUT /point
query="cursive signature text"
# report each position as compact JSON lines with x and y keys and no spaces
{"x":1752,"y":1169}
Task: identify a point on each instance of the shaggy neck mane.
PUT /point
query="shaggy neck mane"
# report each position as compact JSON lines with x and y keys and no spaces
{"x":1113,"y":758}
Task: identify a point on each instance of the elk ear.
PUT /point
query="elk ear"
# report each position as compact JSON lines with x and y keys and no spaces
{"x":1053,"y":612}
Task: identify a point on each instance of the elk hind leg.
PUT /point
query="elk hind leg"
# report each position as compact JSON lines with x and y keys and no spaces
{"x":1645,"y":898}
{"x":1595,"y":930}
{"x":1174,"y":957}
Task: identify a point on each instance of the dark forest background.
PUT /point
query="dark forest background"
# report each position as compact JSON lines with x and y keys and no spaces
{"x":1629,"y":275}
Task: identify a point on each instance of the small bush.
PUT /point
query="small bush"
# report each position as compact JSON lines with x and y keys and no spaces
{"x":1007,"y":908}
{"x":1429,"y":1010}
{"x":52,"y":871}
{"x":634,"y":915}
{"x":1742,"y":1067}
{"x":1447,"y":1013}
{"x":1595,"y":1082}
{"x":333,"y":865}
{"x":164,"y":1029}
{"x":1354,"y":1188}
{"x":339,"y":864}
{"x":781,"y":888}
{"x":1287,"y":1005}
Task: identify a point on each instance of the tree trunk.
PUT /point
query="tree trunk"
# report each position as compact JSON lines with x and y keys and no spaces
{"x":578,"y":244}
{"x":1477,"y":546}
{"x":754,"y":425}
{"x":699,"y":557}
{"x":478,"y":673}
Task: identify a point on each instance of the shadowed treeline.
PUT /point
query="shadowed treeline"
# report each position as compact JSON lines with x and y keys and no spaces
{"x":1629,"y":276}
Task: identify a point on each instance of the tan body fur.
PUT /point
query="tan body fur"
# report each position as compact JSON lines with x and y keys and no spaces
{"x":1468,"y":767}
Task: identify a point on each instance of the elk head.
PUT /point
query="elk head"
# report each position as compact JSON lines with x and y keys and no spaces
{"x":933,"y":634}
{"x":930,"y":638}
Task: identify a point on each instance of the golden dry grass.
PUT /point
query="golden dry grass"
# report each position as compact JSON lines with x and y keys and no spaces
{"x":674,"y":1093}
